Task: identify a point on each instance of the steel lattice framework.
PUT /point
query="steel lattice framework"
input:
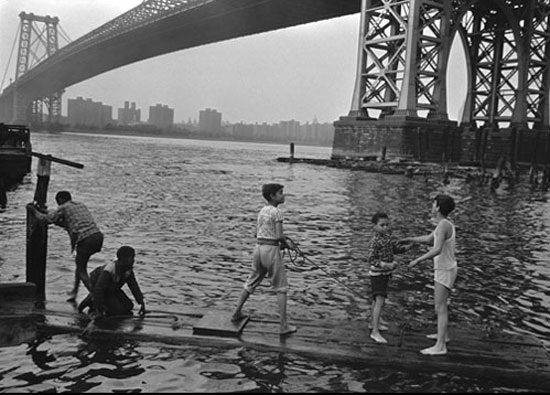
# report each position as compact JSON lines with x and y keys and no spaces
{"x":38,"y":40}
{"x":404,"y":54}
{"x":147,"y":12}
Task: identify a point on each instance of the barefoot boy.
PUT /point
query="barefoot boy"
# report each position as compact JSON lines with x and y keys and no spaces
{"x":445,"y":267}
{"x":267,"y":259}
{"x":381,"y":265}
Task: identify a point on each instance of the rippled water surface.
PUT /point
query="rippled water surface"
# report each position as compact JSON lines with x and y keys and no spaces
{"x":189,"y":207}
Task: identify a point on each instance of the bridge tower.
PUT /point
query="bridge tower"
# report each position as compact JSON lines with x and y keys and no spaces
{"x":399,"y":104}
{"x":38,"y":39}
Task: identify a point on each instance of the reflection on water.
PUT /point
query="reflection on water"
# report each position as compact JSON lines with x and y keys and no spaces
{"x":189,"y":207}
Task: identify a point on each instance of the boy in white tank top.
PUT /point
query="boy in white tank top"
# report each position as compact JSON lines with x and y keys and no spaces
{"x":445,"y":267}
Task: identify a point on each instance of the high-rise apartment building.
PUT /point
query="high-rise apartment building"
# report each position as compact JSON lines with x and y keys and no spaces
{"x":210,"y":121}
{"x":82,"y":112}
{"x":161,"y":116}
{"x":129,"y":115}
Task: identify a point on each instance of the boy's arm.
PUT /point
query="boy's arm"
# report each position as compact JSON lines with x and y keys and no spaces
{"x":53,"y":217}
{"x":283,"y":239}
{"x":419,"y":239}
{"x":134,"y":287}
{"x":399,"y":246}
{"x":439,"y":236}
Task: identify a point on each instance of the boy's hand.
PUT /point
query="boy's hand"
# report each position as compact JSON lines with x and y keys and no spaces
{"x":287,"y":243}
{"x":142,"y":310}
{"x":388,"y":265}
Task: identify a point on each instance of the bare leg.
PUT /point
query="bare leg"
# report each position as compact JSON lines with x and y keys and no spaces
{"x":441,"y":293}
{"x":284,"y":327}
{"x":81,"y":261}
{"x":376,"y":311}
{"x":237,"y":314}
{"x":73,"y":292}
{"x":382,"y":325}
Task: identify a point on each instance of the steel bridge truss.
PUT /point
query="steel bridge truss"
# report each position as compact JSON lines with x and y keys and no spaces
{"x":404,"y":55}
{"x":38,"y":39}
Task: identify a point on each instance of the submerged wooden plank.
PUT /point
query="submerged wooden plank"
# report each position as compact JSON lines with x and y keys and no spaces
{"x":514,"y":360}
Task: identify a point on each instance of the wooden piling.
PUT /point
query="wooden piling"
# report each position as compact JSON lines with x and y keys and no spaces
{"x":3,"y":195}
{"x":291,"y":152}
{"x":37,"y":235}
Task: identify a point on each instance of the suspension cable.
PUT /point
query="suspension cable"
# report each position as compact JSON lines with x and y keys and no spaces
{"x":65,"y":35}
{"x":9,"y":59}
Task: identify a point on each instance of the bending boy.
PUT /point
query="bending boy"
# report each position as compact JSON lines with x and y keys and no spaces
{"x":108,"y":297}
{"x":85,"y":236}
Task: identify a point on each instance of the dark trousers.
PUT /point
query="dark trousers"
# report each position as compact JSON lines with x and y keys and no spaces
{"x":116,"y":303}
{"x":88,"y":247}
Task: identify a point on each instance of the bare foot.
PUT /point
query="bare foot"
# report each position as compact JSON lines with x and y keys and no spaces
{"x":433,"y":336}
{"x":378,"y":338}
{"x":434,"y":351}
{"x":238,"y":316}
{"x":288,"y":330}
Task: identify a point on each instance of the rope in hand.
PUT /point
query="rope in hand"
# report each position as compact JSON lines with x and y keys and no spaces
{"x":298,"y":258}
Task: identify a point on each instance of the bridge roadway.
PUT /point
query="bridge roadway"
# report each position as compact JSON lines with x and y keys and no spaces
{"x":210,"y":22}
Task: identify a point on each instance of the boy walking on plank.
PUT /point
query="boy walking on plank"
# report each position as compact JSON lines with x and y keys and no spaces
{"x":267,"y":259}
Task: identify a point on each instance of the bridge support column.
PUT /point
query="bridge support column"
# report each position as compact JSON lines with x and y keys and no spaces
{"x":21,"y":109}
{"x":360,"y":139}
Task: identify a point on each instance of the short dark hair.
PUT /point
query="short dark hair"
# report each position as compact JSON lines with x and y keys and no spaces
{"x":64,"y":196}
{"x":270,"y":189}
{"x":125,"y":252}
{"x":445,"y":203}
{"x":379,"y":215}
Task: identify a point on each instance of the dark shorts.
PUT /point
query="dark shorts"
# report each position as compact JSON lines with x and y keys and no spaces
{"x":379,"y":285}
{"x":87,"y":247}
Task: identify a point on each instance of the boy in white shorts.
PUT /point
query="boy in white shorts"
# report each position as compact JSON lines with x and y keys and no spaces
{"x":445,"y":267}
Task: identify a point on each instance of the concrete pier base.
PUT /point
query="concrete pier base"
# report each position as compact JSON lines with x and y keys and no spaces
{"x":439,"y":141}
{"x":399,"y":137}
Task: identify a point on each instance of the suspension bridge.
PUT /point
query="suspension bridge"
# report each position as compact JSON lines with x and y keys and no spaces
{"x":399,"y":101}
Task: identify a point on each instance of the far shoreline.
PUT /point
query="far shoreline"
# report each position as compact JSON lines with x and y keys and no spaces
{"x":176,"y":135}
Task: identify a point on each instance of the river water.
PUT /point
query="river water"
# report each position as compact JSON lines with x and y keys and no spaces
{"x":189,"y":208}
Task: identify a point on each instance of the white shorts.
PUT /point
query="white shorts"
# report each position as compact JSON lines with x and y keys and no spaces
{"x":446,"y":277}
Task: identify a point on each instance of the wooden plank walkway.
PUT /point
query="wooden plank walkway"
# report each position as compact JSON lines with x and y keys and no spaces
{"x":515,"y":361}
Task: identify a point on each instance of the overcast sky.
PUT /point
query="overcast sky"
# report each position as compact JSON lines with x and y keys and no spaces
{"x":295,"y":73}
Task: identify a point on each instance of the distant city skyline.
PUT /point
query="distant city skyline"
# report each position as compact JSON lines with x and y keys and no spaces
{"x":296,"y":73}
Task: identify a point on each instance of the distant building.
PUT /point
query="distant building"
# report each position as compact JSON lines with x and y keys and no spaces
{"x":210,"y":121}
{"x":82,"y":112}
{"x":161,"y":116}
{"x":129,"y":115}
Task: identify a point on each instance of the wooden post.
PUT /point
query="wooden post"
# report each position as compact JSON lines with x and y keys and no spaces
{"x":37,"y":235}
{"x":3,"y":195}
{"x":291,"y":152}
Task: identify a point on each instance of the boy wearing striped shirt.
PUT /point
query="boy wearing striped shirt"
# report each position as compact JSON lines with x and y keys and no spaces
{"x":380,"y":253}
